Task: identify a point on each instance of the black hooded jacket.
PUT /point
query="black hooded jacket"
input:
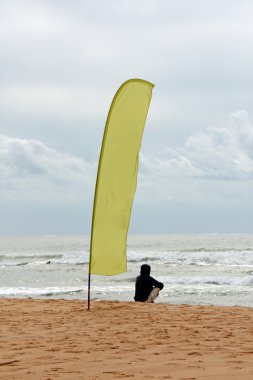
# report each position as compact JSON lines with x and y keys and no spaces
{"x":144,"y":284}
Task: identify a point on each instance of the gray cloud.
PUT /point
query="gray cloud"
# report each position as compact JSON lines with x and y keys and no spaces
{"x":61,"y":64}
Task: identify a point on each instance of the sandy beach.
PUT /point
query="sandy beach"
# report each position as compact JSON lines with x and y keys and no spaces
{"x":59,"y":339}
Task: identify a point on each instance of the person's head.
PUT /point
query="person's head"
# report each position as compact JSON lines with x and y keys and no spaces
{"x":145,"y":269}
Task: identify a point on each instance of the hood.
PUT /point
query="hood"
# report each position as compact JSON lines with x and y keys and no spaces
{"x":145,"y":269}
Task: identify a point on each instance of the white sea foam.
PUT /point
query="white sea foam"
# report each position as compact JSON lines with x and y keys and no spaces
{"x":175,"y":257}
{"x":208,"y":280}
{"x":198,"y":269}
{"x":229,"y":258}
{"x":81,"y":257}
{"x":23,"y":291}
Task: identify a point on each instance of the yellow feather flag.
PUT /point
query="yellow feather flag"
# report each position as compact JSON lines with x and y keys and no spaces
{"x":117,"y":176}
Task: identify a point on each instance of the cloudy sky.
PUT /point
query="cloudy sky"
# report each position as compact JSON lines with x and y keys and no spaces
{"x":61,"y":64}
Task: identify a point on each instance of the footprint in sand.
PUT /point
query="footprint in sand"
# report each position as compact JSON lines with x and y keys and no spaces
{"x":117,"y":373}
{"x":9,"y":362}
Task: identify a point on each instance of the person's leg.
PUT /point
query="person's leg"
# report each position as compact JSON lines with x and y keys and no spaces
{"x":153,"y":295}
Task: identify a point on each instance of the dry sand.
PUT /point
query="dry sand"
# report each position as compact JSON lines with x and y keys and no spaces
{"x":59,"y":339}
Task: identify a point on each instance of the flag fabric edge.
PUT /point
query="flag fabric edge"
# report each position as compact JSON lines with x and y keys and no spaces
{"x":101,"y":159}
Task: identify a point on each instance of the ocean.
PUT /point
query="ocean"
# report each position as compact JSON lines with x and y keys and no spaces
{"x":211,"y":269}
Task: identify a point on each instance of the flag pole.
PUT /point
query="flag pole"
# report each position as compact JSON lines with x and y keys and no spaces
{"x":88,"y":292}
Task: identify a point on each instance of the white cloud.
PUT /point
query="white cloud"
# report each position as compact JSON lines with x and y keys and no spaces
{"x":214,"y":162}
{"x":216,"y":152}
{"x":29,"y":170}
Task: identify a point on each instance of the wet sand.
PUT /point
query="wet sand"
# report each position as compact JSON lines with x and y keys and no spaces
{"x":59,"y":339}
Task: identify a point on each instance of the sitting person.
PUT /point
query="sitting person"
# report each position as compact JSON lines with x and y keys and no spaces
{"x":146,"y":287}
